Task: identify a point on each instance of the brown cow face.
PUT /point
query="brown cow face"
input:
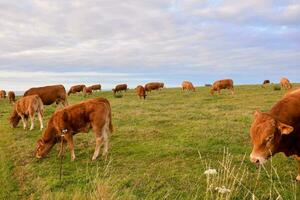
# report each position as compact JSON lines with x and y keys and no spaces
{"x":14,"y":119}
{"x":265,"y":135}
{"x":40,"y":147}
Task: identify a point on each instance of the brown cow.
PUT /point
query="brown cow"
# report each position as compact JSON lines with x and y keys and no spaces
{"x":140,"y":90}
{"x":277,"y":130}
{"x":81,"y":117}
{"x":265,"y":83}
{"x":95,"y":87}
{"x":11,"y":97}
{"x":2,"y":94}
{"x":153,"y":86}
{"x":120,"y":88}
{"x":50,"y":94}
{"x":27,"y":107}
{"x":222,"y":84}
{"x":87,"y":90}
{"x":285,"y":83}
{"x":187,"y":85}
{"x":76,"y":88}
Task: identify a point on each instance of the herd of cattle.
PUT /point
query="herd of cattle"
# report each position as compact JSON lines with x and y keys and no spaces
{"x":271,"y":132}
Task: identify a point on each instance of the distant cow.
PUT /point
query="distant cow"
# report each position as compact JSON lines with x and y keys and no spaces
{"x":11,"y":97}
{"x":187,"y":85}
{"x":119,"y":88}
{"x":208,"y":85}
{"x":87,"y":90}
{"x":266,"y":82}
{"x":277,"y":130}
{"x":222,"y":84}
{"x":153,"y":86}
{"x":50,"y":94}
{"x":140,"y":90}
{"x":285,"y":83}
{"x":79,"y":118}
{"x":2,"y":94}
{"x":27,"y":107}
{"x":95,"y":87}
{"x":76,"y":88}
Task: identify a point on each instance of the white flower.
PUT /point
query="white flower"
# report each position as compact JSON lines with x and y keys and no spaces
{"x":222,"y":190}
{"x":210,"y":172}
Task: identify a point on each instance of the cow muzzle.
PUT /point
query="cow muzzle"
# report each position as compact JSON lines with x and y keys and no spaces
{"x":256,"y":159}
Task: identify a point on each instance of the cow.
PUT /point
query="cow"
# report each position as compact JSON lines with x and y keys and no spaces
{"x":11,"y":97}
{"x":161,"y":85}
{"x":2,"y":94}
{"x":222,"y":84}
{"x":119,"y":88}
{"x":140,"y":90}
{"x":95,"y":87}
{"x":87,"y":90}
{"x":265,"y":83}
{"x":153,"y":86}
{"x":76,"y":88}
{"x":50,"y":94}
{"x":277,"y":130}
{"x":187,"y":85}
{"x":78,"y":118}
{"x":27,"y":107}
{"x":285,"y":83}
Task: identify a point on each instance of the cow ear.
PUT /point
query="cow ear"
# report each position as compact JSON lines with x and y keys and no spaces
{"x":257,"y":113}
{"x":284,"y":128}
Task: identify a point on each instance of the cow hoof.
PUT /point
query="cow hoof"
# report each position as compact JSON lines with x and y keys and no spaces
{"x":298,"y":178}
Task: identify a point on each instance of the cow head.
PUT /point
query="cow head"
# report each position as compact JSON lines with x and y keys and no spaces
{"x":266,"y":133}
{"x":14,"y":119}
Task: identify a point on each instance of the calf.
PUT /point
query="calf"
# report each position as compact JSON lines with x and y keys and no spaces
{"x":277,"y":130}
{"x":140,"y":90}
{"x":285,"y":83}
{"x":222,"y":84}
{"x":95,"y":87}
{"x":78,"y":118}
{"x":27,"y":107}
{"x":2,"y":94}
{"x":76,"y":88}
{"x":187,"y":85}
{"x":153,"y":86}
{"x":119,"y":88}
{"x":50,"y":94}
{"x":11,"y":97}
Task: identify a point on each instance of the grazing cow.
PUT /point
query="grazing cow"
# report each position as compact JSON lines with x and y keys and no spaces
{"x":11,"y":97}
{"x":140,"y":90}
{"x":76,"y":88}
{"x":285,"y":83}
{"x":187,"y":85}
{"x":2,"y":94}
{"x":78,"y":118}
{"x":95,"y":87}
{"x":222,"y":84}
{"x":27,"y":107}
{"x":50,"y":94}
{"x":87,"y":90}
{"x":208,"y":85}
{"x":277,"y":130}
{"x":153,"y":86}
{"x":265,"y":83}
{"x":120,"y":88}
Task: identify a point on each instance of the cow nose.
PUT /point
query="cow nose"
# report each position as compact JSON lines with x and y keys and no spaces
{"x":254,"y":159}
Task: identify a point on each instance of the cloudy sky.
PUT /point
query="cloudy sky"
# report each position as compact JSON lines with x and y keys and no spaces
{"x":135,"y":41}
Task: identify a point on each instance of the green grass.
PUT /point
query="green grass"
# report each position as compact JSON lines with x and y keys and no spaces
{"x":154,"y":151}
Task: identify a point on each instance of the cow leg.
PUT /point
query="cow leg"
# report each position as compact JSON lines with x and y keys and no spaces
{"x":24,"y":122}
{"x":232,"y":91}
{"x":31,"y":121}
{"x":69,"y":139}
{"x":40,"y":116}
{"x":105,"y":140}
{"x":97,"y":148}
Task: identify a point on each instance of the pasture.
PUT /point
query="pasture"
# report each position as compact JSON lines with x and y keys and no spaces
{"x":160,"y":149}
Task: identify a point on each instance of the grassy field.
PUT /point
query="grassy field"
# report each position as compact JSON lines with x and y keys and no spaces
{"x":160,"y":149}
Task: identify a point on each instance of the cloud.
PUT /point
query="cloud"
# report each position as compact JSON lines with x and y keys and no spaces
{"x":168,"y":40}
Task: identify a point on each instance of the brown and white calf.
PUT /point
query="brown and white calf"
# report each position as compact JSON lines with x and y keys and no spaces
{"x":92,"y":114}
{"x":25,"y":108}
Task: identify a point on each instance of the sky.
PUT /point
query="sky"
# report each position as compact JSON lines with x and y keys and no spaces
{"x":138,"y":41}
